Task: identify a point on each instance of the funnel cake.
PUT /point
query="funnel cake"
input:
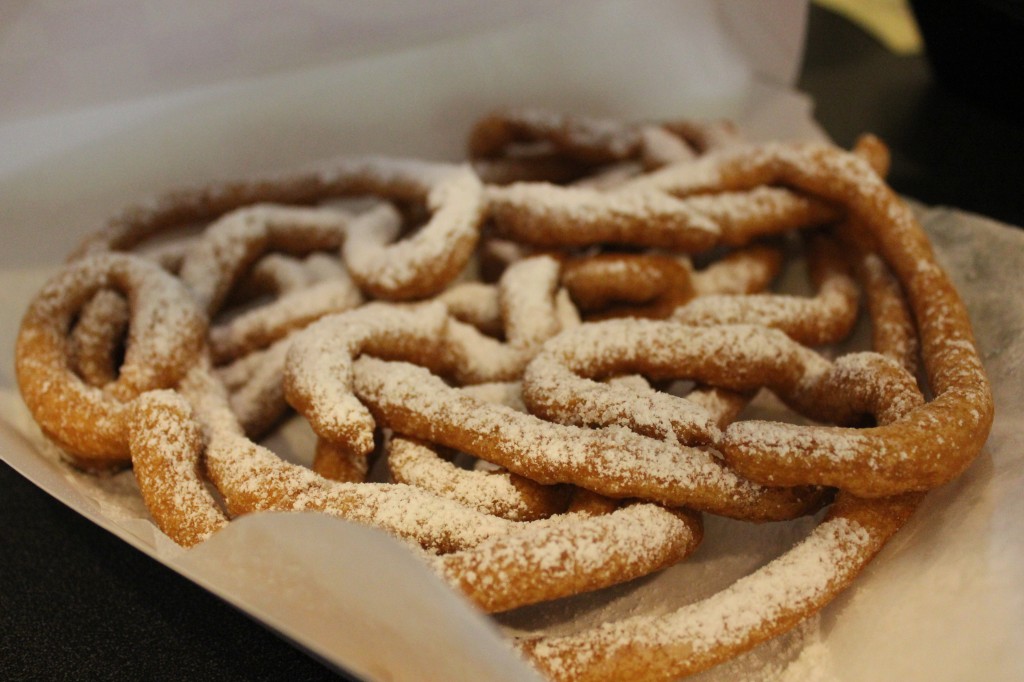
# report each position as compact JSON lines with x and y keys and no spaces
{"x":532,"y":368}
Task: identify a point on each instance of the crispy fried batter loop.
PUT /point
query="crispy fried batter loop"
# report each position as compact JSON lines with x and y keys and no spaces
{"x":533,"y":368}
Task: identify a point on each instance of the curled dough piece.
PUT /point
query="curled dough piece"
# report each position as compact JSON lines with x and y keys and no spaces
{"x":560,"y":383}
{"x":257,"y":392}
{"x":654,"y":286}
{"x":892,"y":324}
{"x":318,"y":372}
{"x":548,"y":215}
{"x":950,"y":430}
{"x":422,"y":264}
{"x":756,"y":608}
{"x":230,"y":257}
{"x":97,"y":337}
{"x":638,"y":285}
{"x":166,"y":445}
{"x":335,"y":178}
{"x":417,"y":266}
{"x":262,"y":326}
{"x":531,"y":309}
{"x":570,"y":554}
{"x":490,"y":489}
{"x":827,"y":317}
{"x":189,"y":205}
{"x":870,"y":462}
{"x":499,"y":493}
{"x":553,"y":216}
{"x":165,"y":334}
{"x":229,"y":247}
{"x":743,"y":271}
{"x":476,"y":304}
{"x":254,"y":343}
{"x":318,"y":367}
{"x":526,"y":297}
{"x":558,"y":386}
{"x":614,"y":462}
{"x":524,"y":143}
{"x":251,"y":478}
{"x":709,"y":405}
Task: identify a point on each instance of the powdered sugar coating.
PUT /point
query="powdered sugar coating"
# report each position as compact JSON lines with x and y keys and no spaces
{"x":96,"y":338}
{"x":744,"y":271}
{"x":318,"y":372}
{"x":612,"y":461}
{"x":864,"y":461}
{"x":569,"y":554}
{"x":560,"y":383}
{"x":730,"y":189}
{"x":893,"y":331}
{"x":257,"y":390}
{"x":827,"y":317}
{"x":493,"y":492}
{"x":166,"y":333}
{"x":231,"y":245}
{"x":698,"y":635}
{"x":543,"y":214}
{"x":424,"y":263}
{"x":166,"y":447}
{"x":951,"y":361}
{"x":252,"y":478}
{"x":532,"y":309}
{"x":262,"y":326}
{"x":474,"y":303}
{"x":526,"y":293}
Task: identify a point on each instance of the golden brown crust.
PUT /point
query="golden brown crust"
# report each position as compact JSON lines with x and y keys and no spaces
{"x":415,"y":462}
{"x":827,"y":317}
{"x":166,"y":447}
{"x":637,"y":285}
{"x":963,"y":404}
{"x":594,"y":469}
{"x":338,"y":463}
{"x":892,"y":324}
{"x":539,"y":145}
{"x":97,"y":338}
{"x":166,"y":334}
{"x":614,"y":463}
{"x":545,"y":561}
{"x":764,"y":604}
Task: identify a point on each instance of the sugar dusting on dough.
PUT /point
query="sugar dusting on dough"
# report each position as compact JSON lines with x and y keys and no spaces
{"x":800,"y":578}
{"x":792,"y":583}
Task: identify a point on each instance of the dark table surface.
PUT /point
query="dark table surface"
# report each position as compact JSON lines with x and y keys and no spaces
{"x":77,"y":603}
{"x":947,"y":148}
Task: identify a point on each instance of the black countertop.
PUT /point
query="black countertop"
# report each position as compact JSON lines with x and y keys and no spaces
{"x":77,"y":603}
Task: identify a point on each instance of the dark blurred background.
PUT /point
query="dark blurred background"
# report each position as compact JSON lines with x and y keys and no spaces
{"x":952,"y":116}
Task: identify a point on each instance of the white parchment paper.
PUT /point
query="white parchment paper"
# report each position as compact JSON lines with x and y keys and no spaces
{"x":942,"y":602}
